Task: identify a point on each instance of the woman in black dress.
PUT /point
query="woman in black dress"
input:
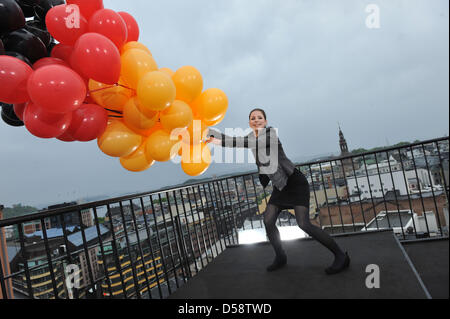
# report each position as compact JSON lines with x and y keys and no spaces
{"x":290,"y":191}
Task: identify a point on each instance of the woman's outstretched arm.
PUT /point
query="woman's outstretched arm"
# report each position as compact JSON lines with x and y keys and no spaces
{"x":267,"y":139}
{"x":227,"y":141}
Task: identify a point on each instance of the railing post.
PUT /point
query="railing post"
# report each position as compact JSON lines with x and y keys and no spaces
{"x":191,"y":244}
{"x":183,"y":254}
{"x":234,"y":233}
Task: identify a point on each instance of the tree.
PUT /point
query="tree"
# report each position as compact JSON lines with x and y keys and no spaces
{"x":359,"y":151}
{"x":18,"y":210}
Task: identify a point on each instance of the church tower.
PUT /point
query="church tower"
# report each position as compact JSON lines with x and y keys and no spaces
{"x":347,"y":164}
{"x":342,"y":143}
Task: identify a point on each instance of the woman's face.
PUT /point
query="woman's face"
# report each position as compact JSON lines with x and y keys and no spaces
{"x":257,"y":120}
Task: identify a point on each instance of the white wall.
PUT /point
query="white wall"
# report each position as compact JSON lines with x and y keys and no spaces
{"x":397,"y":179}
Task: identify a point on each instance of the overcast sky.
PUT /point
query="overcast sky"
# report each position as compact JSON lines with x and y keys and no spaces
{"x":309,"y":64}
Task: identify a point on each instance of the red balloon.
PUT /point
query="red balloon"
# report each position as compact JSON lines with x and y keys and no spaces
{"x":62,"y":51}
{"x":56,"y":89}
{"x":132,"y":26}
{"x":14,"y":74}
{"x":111,"y":25}
{"x":66,"y":137}
{"x":49,"y":61}
{"x":19,"y":109}
{"x":89,"y":99}
{"x":88,"y":122}
{"x":96,"y":57}
{"x":62,"y":27}
{"x":87,"y":7}
{"x":44,"y":124}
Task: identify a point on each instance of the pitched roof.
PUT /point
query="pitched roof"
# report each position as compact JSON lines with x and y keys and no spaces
{"x":90,"y":234}
{"x":51,"y":233}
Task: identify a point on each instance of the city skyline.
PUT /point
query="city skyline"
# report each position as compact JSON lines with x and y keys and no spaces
{"x":234,"y":170}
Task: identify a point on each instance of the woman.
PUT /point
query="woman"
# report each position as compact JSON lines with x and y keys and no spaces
{"x":291,"y":188}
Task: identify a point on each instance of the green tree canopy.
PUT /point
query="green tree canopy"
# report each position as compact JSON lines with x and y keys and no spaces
{"x":18,"y":210}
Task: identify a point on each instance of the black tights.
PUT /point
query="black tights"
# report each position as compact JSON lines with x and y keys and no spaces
{"x":302,"y":217}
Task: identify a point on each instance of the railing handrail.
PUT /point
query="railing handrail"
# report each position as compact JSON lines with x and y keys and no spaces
{"x":57,"y":211}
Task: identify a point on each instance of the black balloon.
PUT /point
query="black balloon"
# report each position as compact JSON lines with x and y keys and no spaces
{"x":58,"y":2}
{"x":34,"y":28}
{"x":19,"y":56}
{"x":51,"y":46}
{"x":28,"y":10}
{"x":11,"y":16}
{"x":44,"y":6}
{"x":25,"y":43}
{"x":2,"y":47}
{"x":30,"y":3}
{"x":8,"y":115}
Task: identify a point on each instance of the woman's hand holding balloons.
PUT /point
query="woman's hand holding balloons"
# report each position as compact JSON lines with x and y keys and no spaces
{"x":213,"y":140}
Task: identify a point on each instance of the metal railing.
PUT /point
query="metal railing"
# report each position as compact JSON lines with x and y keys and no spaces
{"x":148,"y":245}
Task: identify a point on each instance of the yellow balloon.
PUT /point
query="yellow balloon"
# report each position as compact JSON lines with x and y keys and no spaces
{"x":110,"y":96}
{"x":135,"y":64}
{"x":156,"y":91}
{"x":212,"y":123}
{"x":177,"y":115}
{"x":197,"y":161}
{"x":168,"y":71}
{"x":210,"y":105}
{"x":137,"y":120}
{"x":197,"y":131}
{"x":179,"y":134}
{"x":118,"y":140}
{"x":149,"y":132}
{"x":189,"y":83}
{"x":160,"y":147}
{"x":137,"y":161}
{"x":134,"y":45}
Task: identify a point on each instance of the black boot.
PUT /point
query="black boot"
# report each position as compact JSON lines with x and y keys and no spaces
{"x":338,"y":265}
{"x":280,"y":261}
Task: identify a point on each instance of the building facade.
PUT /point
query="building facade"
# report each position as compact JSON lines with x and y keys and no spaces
{"x":4,"y":262}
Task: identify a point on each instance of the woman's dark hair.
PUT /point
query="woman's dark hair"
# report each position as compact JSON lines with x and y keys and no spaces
{"x":261,"y":110}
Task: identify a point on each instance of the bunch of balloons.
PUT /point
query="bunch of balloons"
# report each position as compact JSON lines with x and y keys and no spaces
{"x":99,"y":82}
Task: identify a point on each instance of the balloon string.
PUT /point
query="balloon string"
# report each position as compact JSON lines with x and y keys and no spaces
{"x":124,"y":86}
{"x":114,"y":111}
{"x":116,"y":116}
{"x":105,"y":88}
{"x":108,"y":87}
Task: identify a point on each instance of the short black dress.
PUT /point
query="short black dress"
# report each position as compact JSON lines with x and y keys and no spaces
{"x":295,"y":193}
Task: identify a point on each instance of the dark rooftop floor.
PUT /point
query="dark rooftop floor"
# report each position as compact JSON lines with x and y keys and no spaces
{"x":431,"y":259}
{"x":239,"y":272}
